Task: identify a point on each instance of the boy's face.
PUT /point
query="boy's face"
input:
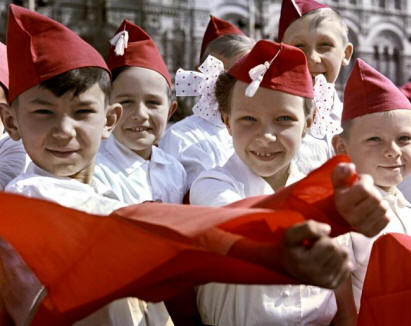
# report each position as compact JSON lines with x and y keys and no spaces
{"x":323,"y":45}
{"x":143,"y":94}
{"x":61,"y":134}
{"x":380,"y":145}
{"x":266,"y":128}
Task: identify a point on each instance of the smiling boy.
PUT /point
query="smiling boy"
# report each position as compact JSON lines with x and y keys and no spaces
{"x":322,"y":35}
{"x":377,"y":136}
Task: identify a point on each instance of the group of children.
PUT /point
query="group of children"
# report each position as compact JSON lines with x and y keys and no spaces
{"x":95,"y":139}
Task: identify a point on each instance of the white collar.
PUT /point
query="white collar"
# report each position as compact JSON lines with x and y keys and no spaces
{"x":126,"y":159}
{"x":395,"y":198}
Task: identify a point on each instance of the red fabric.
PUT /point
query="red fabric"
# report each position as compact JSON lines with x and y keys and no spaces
{"x":140,"y":52}
{"x":4,"y":68}
{"x":292,"y":10}
{"x":311,"y":196}
{"x":386,"y":296}
{"x":290,"y":65}
{"x":152,"y":250}
{"x":368,"y":91}
{"x":40,"y":48}
{"x":217,"y":27}
{"x":406,"y":90}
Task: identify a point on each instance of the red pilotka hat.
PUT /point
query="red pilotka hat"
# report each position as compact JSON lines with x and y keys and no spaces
{"x":4,"y":68}
{"x":137,"y":49}
{"x":368,"y":91}
{"x":292,"y":10}
{"x":406,"y":90}
{"x":277,"y":66}
{"x":40,"y":48}
{"x":217,"y":27}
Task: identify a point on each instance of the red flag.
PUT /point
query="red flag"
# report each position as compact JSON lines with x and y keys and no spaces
{"x":151,"y":251}
{"x":386,"y":295}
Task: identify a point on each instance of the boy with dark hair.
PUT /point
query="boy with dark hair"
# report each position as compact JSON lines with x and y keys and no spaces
{"x":12,"y":155}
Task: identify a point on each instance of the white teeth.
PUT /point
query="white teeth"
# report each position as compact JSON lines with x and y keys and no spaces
{"x":263,"y":154}
{"x":139,"y":129}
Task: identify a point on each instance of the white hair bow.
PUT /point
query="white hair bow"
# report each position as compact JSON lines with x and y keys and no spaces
{"x":327,"y":120}
{"x":194,"y":83}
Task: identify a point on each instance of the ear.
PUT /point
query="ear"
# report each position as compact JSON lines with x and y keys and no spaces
{"x":339,"y":145}
{"x":349,"y":49}
{"x":8,"y":116}
{"x":226,"y":120}
{"x":173,"y":108}
{"x":309,"y":120}
{"x":113,"y":115}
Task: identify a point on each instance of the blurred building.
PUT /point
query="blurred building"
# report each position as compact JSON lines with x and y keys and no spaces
{"x":379,"y":29}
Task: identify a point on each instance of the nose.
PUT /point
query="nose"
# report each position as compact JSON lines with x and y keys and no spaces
{"x":141,"y":112}
{"x":313,"y":56}
{"x":268,"y":134}
{"x":392,"y":150}
{"x":64,"y":128}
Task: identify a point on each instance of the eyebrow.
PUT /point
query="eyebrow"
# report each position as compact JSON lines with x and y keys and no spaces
{"x":41,"y":102}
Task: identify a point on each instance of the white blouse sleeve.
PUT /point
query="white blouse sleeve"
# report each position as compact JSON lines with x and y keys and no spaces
{"x":215,"y":188}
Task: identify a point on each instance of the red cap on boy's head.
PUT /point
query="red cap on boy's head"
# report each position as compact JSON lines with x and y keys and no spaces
{"x":40,"y":48}
{"x":287,"y":68}
{"x":406,"y":90}
{"x":292,"y":10}
{"x":4,"y":68}
{"x":139,"y":51}
{"x":217,"y":27}
{"x":368,"y":91}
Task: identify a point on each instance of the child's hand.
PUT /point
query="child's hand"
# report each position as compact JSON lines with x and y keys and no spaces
{"x":359,"y":203}
{"x":314,"y":258}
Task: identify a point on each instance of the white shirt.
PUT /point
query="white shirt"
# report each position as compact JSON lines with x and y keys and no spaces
{"x":198,"y":144}
{"x":360,"y":246}
{"x":95,"y":198}
{"x":405,"y":187}
{"x":13,"y":159}
{"x":315,"y":151}
{"x":134,"y":180}
{"x":248,"y":305}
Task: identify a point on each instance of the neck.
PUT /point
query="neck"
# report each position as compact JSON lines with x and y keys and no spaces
{"x":279,"y":179}
{"x":85,"y":175}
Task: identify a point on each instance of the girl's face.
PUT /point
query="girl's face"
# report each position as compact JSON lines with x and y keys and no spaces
{"x":266,"y":129}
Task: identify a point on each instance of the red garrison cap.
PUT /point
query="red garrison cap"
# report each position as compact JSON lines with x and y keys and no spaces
{"x":217,"y":27}
{"x":40,"y":48}
{"x":4,"y":68}
{"x":140,"y":51}
{"x":292,"y":10}
{"x":287,"y":73}
{"x":368,"y":91}
{"x":406,"y":90}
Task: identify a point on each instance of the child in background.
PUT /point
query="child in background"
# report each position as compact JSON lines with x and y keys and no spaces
{"x":129,"y":160}
{"x":265,"y":139}
{"x":376,"y":122}
{"x":201,"y":141}
{"x":322,"y":35}
{"x":12,"y":154}
{"x":405,"y":186}
{"x":59,"y":90}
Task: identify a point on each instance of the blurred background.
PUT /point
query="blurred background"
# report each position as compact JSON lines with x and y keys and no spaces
{"x":379,"y":29}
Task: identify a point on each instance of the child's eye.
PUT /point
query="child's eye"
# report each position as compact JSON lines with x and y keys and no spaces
{"x":85,"y":111}
{"x":153,"y":103}
{"x":326,"y":44}
{"x":373,"y":139}
{"x":126,"y":102}
{"x":248,"y":118}
{"x":285,"y":118}
{"x":43,"y":111}
{"x":299,"y":45}
{"x":404,"y":138}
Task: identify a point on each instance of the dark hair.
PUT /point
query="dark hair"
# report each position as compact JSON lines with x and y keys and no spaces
{"x":78,"y":81}
{"x":117,"y":71}
{"x":224,"y":89}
